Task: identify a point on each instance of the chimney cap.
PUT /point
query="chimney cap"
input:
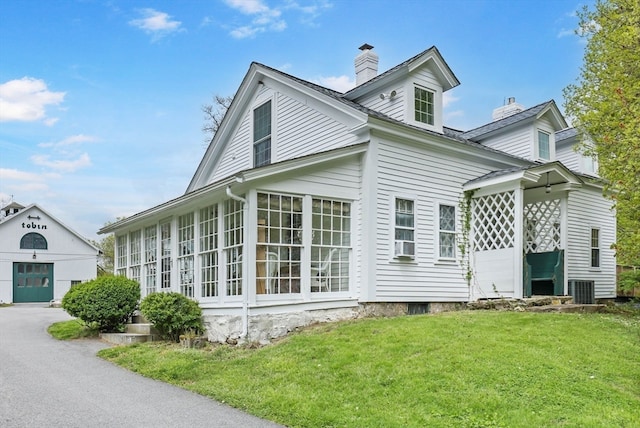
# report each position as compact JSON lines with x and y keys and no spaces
{"x":365,"y":47}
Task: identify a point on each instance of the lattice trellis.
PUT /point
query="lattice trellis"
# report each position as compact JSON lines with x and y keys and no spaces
{"x":542,"y":226}
{"x":494,"y":221}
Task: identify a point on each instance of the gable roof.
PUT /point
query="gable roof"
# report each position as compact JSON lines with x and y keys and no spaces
{"x":529,"y":114}
{"x":9,"y":219}
{"x":446,"y":75}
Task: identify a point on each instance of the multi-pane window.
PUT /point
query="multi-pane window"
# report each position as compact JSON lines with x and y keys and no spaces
{"x":544,"y":151}
{"x":121,"y":251}
{"x":595,"y":248}
{"x":185,"y":253}
{"x":209,"y":251}
{"x":262,"y":135}
{"x":423,"y":105}
{"x":165,"y":255}
{"x":331,"y":241}
{"x":404,"y":228}
{"x":135,"y":250}
{"x":150,"y":257}
{"x":33,"y":241}
{"x":233,"y":241}
{"x":279,"y":247}
{"x":447,"y":232}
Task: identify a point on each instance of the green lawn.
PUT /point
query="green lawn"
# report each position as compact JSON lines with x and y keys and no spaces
{"x":462,"y":369}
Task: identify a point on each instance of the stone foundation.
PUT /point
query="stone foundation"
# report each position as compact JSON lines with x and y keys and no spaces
{"x":265,"y":327}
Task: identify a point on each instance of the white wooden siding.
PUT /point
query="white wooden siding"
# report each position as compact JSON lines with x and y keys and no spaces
{"x":392,"y":107}
{"x":302,"y":130}
{"x":237,"y":155}
{"x":587,"y":209}
{"x":569,"y":157}
{"x":518,"y":142}
{"x":430,"y":176}
{"x":298,"y":130}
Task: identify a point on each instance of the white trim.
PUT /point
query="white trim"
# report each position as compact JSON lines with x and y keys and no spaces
{"x":393,"y":197}
{"x":436,"y":231}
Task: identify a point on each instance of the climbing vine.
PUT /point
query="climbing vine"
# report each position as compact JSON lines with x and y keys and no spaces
{"x":464,"y":244}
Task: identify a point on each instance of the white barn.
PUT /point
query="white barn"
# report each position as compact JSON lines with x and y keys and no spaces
{"x":311,"y":205}
{"x":40,"y":257}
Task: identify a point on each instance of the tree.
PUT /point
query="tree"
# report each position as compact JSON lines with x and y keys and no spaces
{"x":107,"y":247}
{"x":213,"y":115}
{"x":604,"y":105}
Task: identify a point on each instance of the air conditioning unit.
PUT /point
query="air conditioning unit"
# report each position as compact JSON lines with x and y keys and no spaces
{"x":405,"y":249}
{"x":583,"y":291}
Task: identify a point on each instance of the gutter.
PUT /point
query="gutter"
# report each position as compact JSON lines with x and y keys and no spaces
{"x":245,"y":291}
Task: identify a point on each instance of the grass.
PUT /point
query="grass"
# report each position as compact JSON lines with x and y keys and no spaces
{"x":73,"y":329}
{"x":463,"y":369}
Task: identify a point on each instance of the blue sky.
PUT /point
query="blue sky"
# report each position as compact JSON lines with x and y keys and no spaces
{"x":100,"y":100}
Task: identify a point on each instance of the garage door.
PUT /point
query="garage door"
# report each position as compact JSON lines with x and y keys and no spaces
{"x":32,"y":282}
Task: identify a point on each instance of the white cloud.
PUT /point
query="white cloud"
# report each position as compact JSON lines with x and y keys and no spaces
{"x":26,"y":100}
{"x":62,"y":165}
{"x":157,"y":24}
{"x":69,"y":141}
{"x":337,"y":83}
{"x":264,"y":18}
{"x":565,"y":33}
{"x":447,"y":99}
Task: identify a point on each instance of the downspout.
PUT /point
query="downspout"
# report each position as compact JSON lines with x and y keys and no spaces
{"x":245,"y":293}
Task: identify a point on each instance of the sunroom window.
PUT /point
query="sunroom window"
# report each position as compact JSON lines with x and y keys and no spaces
{"x":121,"y":258}
{"x":135,"y":248}
{"x":331,"y":241}
{"x":185,"y":253}
{"x":279,"y":247}
{"x":209,"y":251}
{"x":165,"y":255}
{"x":150,"y":256}
{"x":233,"y":241}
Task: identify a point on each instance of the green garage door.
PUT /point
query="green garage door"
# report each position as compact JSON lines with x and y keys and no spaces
{"x":32,"y":282}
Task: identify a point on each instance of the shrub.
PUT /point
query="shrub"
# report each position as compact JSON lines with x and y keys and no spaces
{"x":172,"y":314}
{"x":106,"y":302}
{"x":629,"y":280}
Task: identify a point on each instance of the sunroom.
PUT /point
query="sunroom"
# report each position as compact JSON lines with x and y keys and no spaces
{"x":254,"y":240}
{"x":517,"y":231}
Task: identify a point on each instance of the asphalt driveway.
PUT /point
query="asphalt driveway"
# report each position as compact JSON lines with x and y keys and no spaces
{"x":49,"y":383}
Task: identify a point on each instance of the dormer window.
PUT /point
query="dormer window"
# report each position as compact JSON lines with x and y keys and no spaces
{"x":262,"y":135}
{"x":424,"y":108}
{"x":544,"y":148}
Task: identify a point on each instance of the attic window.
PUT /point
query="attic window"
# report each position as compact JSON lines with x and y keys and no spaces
{"x":544,"y":151}
{"x":262,"y":135}
{"x":423,"y":105}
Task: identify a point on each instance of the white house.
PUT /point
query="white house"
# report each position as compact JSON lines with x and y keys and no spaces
{"x":40,"y":257}
{"x":310,"y":204}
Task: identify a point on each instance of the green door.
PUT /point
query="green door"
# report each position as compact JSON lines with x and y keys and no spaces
{"x":32,"y":282}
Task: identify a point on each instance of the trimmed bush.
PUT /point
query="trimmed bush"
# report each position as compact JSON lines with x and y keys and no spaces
{"x":106,"y":302}
{"x":172,"y":314}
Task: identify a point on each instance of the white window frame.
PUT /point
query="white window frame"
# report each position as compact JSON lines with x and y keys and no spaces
{"x":271,"y":136}
{"x":440,"y":231}
{"x":400,"y":248}
{"x":538,"y":151}
{"x":593,"y":248}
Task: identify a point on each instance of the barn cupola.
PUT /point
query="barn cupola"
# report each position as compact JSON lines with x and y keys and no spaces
{"x":366,"y":64}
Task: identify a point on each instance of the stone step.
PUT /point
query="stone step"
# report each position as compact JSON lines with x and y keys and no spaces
{"x":140,"y":328}
{"x":567,"y":308}
{"x":128,"y":338}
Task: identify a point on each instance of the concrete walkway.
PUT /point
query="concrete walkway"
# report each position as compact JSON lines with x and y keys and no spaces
{"x":49,"y":383}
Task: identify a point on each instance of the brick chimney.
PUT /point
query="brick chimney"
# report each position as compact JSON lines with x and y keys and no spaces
{"x":366,"y":64}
